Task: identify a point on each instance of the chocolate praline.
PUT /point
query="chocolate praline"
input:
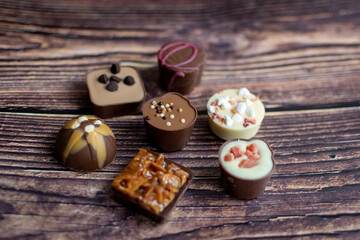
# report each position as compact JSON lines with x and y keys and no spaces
{"x":246,"y":182}
{"x":115,"y":97}
{"x":181,"y":65}
{"x":152,"y":184}
{"x":169,"y":129}
{"x":85,"y":144}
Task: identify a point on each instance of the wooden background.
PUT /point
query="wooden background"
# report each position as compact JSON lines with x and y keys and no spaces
{"x":301,"y":57}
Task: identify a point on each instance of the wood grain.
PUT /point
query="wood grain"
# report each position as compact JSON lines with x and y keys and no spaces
{"x":317,"y":169}
{"x":295,"y":55}
{"x":301,"y":57}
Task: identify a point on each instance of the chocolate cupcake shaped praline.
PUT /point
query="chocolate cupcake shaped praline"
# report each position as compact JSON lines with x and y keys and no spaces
{"x":181,"y":65}
{"x":235,"y":113}
{"x":85,"y":144}
{"x":246,"y":166}
{"x":169,"y":121}
{"x":115,"y":91}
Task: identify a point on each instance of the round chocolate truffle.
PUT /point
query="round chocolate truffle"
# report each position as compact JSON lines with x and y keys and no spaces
{"x":85,"y":144}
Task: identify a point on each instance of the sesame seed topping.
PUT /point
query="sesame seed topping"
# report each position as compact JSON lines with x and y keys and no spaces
{"x":172,"y":116}
{"x":152,"y":106}
{"x":167,"y":105}
{"x":162,"y":106}
{"x":182,"y":120}
{"x":154,"y":102}
{"x":168,"y":124}
{"x":180,"y":110}
{"x":161,"y":115}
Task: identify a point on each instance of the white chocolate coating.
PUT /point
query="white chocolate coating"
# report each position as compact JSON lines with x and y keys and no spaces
{"x":234,"y":107}
{"x":262,"y":169}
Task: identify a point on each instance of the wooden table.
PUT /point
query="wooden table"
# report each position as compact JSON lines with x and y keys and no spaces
{"x":301,"y":57}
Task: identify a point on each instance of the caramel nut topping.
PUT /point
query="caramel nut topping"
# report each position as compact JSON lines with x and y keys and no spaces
{"x":149,"y":180}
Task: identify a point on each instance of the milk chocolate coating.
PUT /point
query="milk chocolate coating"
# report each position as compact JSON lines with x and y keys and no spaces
{"x":174,"y":137}
{"x":81,"y":149}
{"x":126,"y":100}
{"x":162,"y":216}
{"x":244,"y":188}
{"x":181,"y":66}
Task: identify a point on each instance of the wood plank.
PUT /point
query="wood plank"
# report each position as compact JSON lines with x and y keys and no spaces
{"x":294,"y":55}
{"x":315,"y":182}
{"x":301,"y":57}
{"x":296,"y":136}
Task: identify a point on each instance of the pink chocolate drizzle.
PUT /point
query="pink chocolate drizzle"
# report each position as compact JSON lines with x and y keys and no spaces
{"x":180,"y":45}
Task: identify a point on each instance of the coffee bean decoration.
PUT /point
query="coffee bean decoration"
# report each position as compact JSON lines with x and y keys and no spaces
{"x":115,"y":68}
{"x":129,"y":80}
{"x":103,"y":78}
{"x":115,"y":79}
{"x":112,"y":86}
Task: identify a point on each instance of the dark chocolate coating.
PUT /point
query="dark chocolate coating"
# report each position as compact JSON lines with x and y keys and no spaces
{"x":245,"y":188}
{"x":84,"y":160}
{"x":159,"y":217}
{"x":192,"y":77}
